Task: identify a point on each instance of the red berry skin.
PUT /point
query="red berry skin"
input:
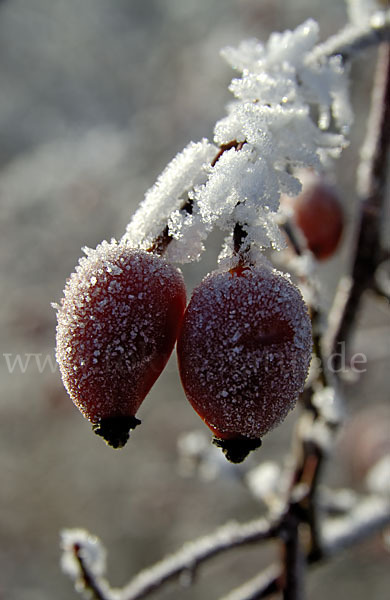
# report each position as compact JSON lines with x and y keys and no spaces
{"x":244,"y":350}
{"x":319,"y":215}
{"x":117,"y":326}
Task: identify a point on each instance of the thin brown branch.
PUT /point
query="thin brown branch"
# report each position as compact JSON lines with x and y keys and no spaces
{"x":224,"y":148}
{"x":308,"y":475}
{"x":292,"y":580}
{"x":372,"y":175}
{"x":96,"y":588}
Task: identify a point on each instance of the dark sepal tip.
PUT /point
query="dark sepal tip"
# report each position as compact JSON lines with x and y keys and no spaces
{"x":115,"y":430}
{"x":237,"y":449}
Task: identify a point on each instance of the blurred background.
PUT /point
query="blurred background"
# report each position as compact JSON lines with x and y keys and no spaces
{"x":95,"y":98}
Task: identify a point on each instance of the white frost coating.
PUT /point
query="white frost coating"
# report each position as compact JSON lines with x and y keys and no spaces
{"x":360,"y":11}
{"x":329,"y":405}
{"x":218,"y":197}
{"x":369,"y":516}
{"x":286,"y":100}
{"x":189,"y":233}
{"x":185,"y":171}
{"x":378,"y":477}
{"x":281,"y":87}
{"x":264,"y":481}
{"x":88,"y":547}
{"x":283,"y":73}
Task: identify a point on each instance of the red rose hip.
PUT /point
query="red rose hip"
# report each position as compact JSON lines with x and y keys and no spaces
{"x":319,"y":215}
{"x":244,"y":350}
{"x":117,"y":325}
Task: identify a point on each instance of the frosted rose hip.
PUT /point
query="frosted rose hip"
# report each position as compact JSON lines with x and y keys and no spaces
{"x":117,"y":325}
{"x":244,"y":349}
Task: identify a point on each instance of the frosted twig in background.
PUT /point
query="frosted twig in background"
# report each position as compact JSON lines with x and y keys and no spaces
{"x":354,"y":39}
{"x":371,"y":188}
{"x":368,"y":516}
{"x":84,"y":560}
{"x":360,"y":11}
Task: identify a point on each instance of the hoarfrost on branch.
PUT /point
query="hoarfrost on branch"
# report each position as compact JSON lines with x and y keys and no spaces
{"x":290,"y":111}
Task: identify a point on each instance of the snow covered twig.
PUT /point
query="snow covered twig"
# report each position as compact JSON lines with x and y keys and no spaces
{"x":185,"y":561}
{"x":369,"y":516}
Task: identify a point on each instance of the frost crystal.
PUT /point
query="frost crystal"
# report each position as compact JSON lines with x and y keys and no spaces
{"x":291,"y":111}
{"x":185,"y":171}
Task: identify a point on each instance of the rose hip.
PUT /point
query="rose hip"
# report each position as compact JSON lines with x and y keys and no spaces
{"x":244,"y":349}
{"x":117,"y":325}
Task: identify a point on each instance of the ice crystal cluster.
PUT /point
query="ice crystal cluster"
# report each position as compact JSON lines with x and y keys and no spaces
{"x":291,"y":110}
